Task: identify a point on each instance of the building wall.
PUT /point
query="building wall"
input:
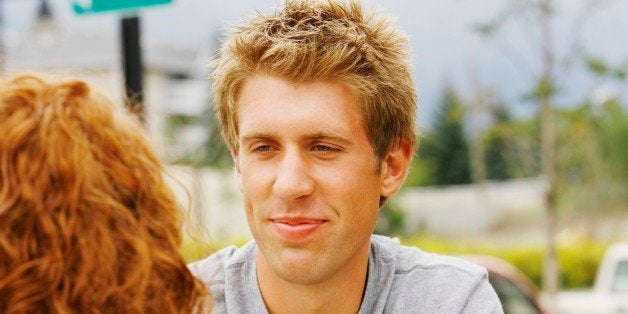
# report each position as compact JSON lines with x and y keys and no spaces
{"x":470,"y":209}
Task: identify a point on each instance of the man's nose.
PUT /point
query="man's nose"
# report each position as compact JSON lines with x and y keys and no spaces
{"x":293,"y":179}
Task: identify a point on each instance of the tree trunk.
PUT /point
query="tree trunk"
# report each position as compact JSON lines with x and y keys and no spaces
{"x":548,"y":147}
{"x":478,"y":163}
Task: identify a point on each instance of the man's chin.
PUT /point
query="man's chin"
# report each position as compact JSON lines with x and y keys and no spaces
{"x":298,"y":266}
{"x":301,"y":275}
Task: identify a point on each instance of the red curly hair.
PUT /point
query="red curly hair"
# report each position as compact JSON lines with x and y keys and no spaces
{"x":87,"y":223}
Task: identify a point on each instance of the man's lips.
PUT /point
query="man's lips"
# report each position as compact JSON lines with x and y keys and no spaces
{"x":297,"y":220}
{"x":296,"y":229}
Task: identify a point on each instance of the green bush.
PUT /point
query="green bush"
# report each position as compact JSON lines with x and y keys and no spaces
{"x":195,"y":249}
{"x":578,"y":262}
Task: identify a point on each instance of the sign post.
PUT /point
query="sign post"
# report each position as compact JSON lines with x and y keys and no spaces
{"x":132,"y":65}
{"x":130,"y":42}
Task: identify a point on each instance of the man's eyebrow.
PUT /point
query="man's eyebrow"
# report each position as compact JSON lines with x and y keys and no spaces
{"x":330,"y":136}
{"x":312,"y":136}
{"x":256,"y":136}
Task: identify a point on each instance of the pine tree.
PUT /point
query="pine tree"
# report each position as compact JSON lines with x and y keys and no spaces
{"x":446,"y":145}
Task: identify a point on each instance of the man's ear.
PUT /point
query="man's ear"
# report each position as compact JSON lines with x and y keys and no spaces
{"x":394,"y":166}
{"x":236,"y":167}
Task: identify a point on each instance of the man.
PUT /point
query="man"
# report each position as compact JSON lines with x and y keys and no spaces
{"x":317,"y":105}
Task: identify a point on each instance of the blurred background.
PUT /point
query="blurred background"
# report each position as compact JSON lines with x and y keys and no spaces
{"x":522,"y":112}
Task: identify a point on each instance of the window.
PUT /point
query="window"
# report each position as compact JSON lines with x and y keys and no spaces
{"x":514,"y":300}
{"x":620,"y":281}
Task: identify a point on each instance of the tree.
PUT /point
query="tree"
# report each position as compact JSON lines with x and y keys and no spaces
{"x":497,"y":164}
{"x":390,"y":220}
{"x":592,"y":166}
{"x":538,"y":16}
{"x":216,"y":154}
{"x":445,"y":145}
{"x":511,"y":146}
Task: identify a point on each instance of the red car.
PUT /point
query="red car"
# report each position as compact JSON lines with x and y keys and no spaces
{"x":516,"y":292}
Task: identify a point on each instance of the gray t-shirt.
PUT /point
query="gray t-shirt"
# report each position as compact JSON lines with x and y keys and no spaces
{"x":400,"y":280}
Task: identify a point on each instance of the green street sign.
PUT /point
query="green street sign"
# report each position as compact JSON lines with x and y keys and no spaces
{"x":96,"y":6}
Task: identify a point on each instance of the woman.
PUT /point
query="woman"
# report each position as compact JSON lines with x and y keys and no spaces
{"x":87,"y":223}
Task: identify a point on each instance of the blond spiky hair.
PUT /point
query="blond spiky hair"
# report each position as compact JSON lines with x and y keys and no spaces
{"x":324,"y":40}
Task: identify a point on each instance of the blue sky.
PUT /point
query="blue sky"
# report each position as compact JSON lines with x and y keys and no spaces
{"x":445,"y":48}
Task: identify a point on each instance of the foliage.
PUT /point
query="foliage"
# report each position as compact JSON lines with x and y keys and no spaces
{"x":592,"y":149}
{"x":194,"y":249}
{"x":511,"y":147}
{"x":543,"y":88}
{"x":421,"y":172}
{"x":612,"y":132}
{"x":578,"y":261}
{"x":445,"y":147}
{"x":390,"y":220}
{"x":498,"y":151}
{"x":217,"y":154}
{"x":592,"y":168}
{"x":597,"y":66}
{"x":601,"y":68}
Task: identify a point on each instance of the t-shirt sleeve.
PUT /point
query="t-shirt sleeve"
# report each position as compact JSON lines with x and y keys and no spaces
{"x":483,"y":299}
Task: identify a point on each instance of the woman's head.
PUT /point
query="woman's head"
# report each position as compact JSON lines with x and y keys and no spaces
{"x":86,"y":219}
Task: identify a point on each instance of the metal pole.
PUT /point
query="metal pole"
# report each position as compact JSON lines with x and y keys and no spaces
{"x":132,"y":65}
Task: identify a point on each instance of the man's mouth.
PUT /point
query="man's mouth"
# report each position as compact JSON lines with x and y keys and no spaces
{"x":296,"y":229}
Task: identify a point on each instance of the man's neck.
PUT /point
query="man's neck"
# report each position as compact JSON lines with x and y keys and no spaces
{"x":342,"y":292}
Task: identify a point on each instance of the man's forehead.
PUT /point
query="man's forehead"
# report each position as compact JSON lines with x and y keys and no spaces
{"x":273,"y":80}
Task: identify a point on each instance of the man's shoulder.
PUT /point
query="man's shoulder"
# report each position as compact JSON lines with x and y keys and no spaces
{"x":409,"y":260}
{"x":212,"y":269}
{"x":412,"y":259}
{"x":230,"y":277}
{"x":432,"y":282}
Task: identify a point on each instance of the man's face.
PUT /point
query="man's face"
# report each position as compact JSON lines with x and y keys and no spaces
{"x":308,"y":174}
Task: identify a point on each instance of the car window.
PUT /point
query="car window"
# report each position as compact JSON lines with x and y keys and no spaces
{"x":514,"y":300}
{"x":620,"y":282}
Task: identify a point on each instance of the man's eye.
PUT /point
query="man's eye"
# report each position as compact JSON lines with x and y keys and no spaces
{"x":324,"y":149}
{"x":262,"y":148}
